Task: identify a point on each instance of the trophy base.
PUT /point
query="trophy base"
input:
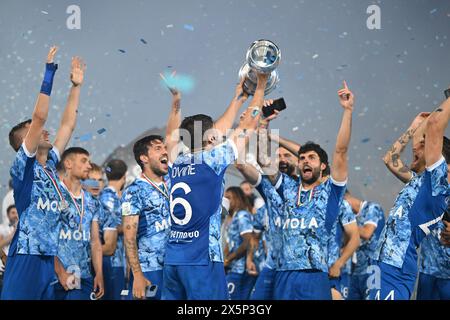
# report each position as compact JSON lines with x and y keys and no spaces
{"x":250,"y":82}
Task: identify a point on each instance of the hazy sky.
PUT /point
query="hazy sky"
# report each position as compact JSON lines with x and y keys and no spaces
{"x":394,"y":72}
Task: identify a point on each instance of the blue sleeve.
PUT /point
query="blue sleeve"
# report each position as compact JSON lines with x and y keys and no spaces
{"x":430,"y":202}
{"x":287,"y":187}
{"x":347,"y":215}
{"x":22,"y":174}
{"x":258,"y":221}
{"x":374,"y":215}
{"x":130,"y":202}
{"x":337,"y":190}
{"x":221,"y":156}
{"x":110,"y":208}
{"x":245,"y":222}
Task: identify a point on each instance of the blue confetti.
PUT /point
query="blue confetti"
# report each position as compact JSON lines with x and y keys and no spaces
{"x":184,"y":83}
{"x":86,"y":137}
{"x":121,"y":50}
{"x":100,"y":131}
{"x":189,"y":27}
{"x":365,"y":140}
{"x":108,"y":115}
{"x":143,"y":41}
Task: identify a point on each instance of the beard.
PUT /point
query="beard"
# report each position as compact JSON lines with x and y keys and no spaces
{"x":315,"y":175}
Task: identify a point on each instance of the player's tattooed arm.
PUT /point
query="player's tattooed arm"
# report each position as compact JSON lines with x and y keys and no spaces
{"x":69,"y":118}
{"x":173,"y":122}
{"x":40,"y":112}
{"x":97,"y":260}
{"x":339,"y":167}
{"x":130,"y":224}
{"x":434,"y":133}
{"x":392,"y":158}
{"x":225,"y":122}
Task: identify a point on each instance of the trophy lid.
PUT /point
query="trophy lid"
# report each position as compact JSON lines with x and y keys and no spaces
{"x":263,"y":56}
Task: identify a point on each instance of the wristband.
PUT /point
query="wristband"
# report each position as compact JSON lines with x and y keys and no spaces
{"x":47,"y":83}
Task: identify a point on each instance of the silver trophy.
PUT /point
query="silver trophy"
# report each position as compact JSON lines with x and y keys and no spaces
{"x":262,"y":56}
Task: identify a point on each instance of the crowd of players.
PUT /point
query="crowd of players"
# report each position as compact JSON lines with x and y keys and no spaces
{"x":175,"y":233}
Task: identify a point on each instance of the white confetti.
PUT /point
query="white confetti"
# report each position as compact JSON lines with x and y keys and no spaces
{"x":315,"y":56}
{"x":294,"y":128}
{"x":44,"y":12}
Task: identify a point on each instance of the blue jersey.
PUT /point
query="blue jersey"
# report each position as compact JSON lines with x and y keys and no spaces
{"x":370,"y":213}
{"x":111,"y":206}
{"x":196,"y":196}
{"x":260,"y":226}
{"x":275,"y":205}
{"x":74,"y":246}
{"x":435,"y":257}
{"x":240,"y":224}
{"x":37,"y":202}
{"x":335,"y":242}
{"x":416,"y":211}
{"x":143,"y":199}
{"x":306,"y":227}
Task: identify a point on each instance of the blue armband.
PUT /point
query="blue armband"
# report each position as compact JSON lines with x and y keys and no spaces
{"x":47,"y":83}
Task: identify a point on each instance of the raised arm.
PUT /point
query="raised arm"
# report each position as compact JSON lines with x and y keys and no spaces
{"x":225,"y":122}
{"x":392,"y":158}
{"x":173,"y":123}
{"x":110,"y":239}
{"x":289,"y":145}
{"x":339,"y":167}
{"x":40,"y":112}
{"x":69,"y":118}
{"x":434,"y":133}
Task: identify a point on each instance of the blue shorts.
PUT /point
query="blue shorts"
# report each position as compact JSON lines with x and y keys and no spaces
{"x":28,"y":277}
{"x":195,"y":282}
{"x":302,"y":285}
{"x":118,"y":282}
{"x":108,"y":278}
{"x":358,"y":287}
{"x":84,"y":293}
{"x":240,"y":285}
{"x":394,"y":284}
{"x":263,"y":289}
{"x":155,"y":277}
{"x":433,"y":288}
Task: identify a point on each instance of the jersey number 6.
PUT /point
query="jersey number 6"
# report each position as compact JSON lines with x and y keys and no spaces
{"x":187,"y":207}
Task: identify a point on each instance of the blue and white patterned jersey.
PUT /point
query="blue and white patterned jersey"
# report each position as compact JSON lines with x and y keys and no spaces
{"x":275,"y":205}
{"x":345,"y":217}
{"x":435,"y":258}
{"x":306,"y":228}
{"x":370,"y":213}
{"x":261,"y":227}
{"x":152,"y":207}
{"x":37,"y":203}
{"x":240,"y":224}
{"x":196,"y":196}
{"x":113,"y":219}
{"x":417,"y":209}
{"x":74,"y":246}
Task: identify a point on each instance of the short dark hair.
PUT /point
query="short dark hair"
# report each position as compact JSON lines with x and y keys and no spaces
{"x":14,"y":141}
{"x":71,"y":151}
{"x":446,"y":149}
{"x":311,"y":146}
{"x":115,"y":169}
{"x":244,"y":182}
{"x":243,"y":202}
{"x":188,"y":124}
{"x":10,"y":207}
{"x":141,"y":147}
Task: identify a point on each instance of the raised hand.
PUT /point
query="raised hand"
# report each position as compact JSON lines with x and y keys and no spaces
{"x":51,"y":54}
{"x":419,"y":119}
{"x":77,"y":71}
{"x":346,"y":97}
{"x":239,"y":93}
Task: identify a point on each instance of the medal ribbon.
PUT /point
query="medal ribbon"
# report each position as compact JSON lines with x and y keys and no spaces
{"x":55,"y":184}
{"x":165,"y":193}
{"x":80,"y":212}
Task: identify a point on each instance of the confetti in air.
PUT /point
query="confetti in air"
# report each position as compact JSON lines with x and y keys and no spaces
{"x":189,"y":27}
{"x":184,"y":83}
{"x":102,"y":130}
